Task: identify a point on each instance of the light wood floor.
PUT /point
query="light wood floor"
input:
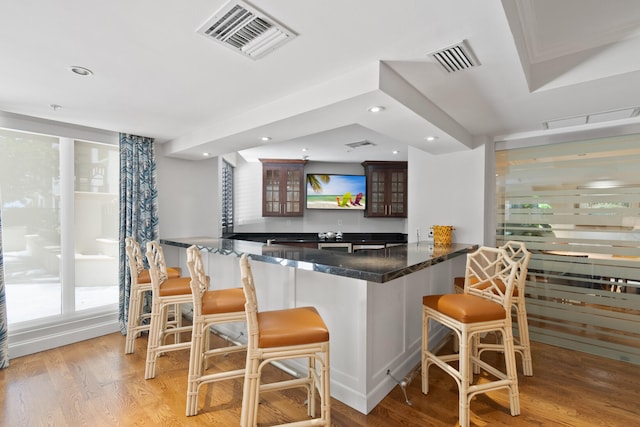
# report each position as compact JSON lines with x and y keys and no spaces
{"x":93,"y":383}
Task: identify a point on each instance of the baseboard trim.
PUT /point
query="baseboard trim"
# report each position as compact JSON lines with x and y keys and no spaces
{"x":61,"y":332}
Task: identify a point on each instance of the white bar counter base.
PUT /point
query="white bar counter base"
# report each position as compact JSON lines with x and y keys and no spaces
{"x":375,"y":325}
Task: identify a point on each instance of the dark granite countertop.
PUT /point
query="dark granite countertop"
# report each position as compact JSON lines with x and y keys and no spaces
{"x":370,"y":238}
{"x":379,"y":266}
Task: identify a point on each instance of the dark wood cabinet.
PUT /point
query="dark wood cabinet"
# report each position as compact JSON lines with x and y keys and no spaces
{"x":386,"y":189}
{"x":282,"y":187}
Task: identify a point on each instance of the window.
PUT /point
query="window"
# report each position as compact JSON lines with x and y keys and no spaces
{"x":227,"y":198}
{"x":577,"y":207}
{"x":59,"y":201}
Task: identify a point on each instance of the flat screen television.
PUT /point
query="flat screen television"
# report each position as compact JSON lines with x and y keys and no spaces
{"x":336,"y":191}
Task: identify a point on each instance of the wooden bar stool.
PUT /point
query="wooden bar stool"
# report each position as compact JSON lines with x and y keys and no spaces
{"x":278,"y":335}
{"x":518,"y":252}
{"x":140,"y":284}
{"x":210,"y":307}
{"x":164,"y":293}
{"x":483,"y":307}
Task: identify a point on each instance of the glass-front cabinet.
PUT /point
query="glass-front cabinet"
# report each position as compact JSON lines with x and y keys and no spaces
{"x":386,"y":189}
{"x":282,"y":187}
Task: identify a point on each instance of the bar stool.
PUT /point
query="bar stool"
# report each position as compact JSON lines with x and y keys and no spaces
{"x":209,"y":308}
{"x":522,"y":345}
{"x":518,"y":252}
{"x":164,"y":293}
{"x":483,"y":307}
{"x":140,"y":284}
{"x":278,"y":335}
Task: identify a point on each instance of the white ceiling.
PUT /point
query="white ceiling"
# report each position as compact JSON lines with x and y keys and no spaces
{"x":154,"y":75}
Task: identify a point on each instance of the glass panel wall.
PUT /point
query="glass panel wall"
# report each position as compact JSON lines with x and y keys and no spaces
{"x":577,"y":207}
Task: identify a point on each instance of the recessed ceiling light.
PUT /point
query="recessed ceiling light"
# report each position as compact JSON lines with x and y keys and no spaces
{"x":81,"y":71}
{"x":206,"y":154}
{"x":376,"y":109}
{"x":305,"y":149}
{"x":395,"y":151}
{"x":430,"y":138}
{"x":265,"y":138}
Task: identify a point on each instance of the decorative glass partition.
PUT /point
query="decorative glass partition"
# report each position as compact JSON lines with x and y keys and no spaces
{"x":577,"y":207}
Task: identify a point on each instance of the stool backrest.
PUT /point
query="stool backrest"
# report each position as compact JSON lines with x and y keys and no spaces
{"x":157,"y":264}
{"x":518,"y":252}
{"x":251,"y":304}
{"x":490,"y":273}
{"x":134,"y":257}
{"x":199,"y":280}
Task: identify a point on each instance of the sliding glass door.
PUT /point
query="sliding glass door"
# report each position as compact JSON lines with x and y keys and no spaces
{"x":59,"y":201}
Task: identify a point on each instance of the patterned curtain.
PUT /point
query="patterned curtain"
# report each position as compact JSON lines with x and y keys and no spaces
{"x":4,"y":332}
{"x":138,"y":207}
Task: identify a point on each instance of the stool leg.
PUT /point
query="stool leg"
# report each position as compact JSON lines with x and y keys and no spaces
{"x":154,"y":338}
{"x":195,"y":367}
{"x":135,"y":303}
{"x":325,"y":394}
{"x":425,"y":347}
{"x":523,"y":337}
{"x":251,"y":392}
{"x":512,"y":374}
{"x":465,"y":346}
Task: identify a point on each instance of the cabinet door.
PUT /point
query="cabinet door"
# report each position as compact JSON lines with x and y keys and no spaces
{"x":282,"y":188}
{"x":271,"y":191}
{"x":294,"y":192}
{"x":386,"y":189}
{"x":376,"y":189}
{"x":397,"y":206}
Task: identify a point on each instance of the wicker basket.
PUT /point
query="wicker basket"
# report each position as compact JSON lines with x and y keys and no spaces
{"x":442,"y":234}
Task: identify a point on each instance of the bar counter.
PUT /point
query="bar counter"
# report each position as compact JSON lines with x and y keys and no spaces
{"x":371,"y":301}
{"x":376,"y":265}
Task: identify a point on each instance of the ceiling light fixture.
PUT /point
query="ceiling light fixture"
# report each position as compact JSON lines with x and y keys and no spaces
{"x":376,"y":109}
{"x":305,"y":149}
{"x":395,"y":151}
{"x":206,"y":154}
{"x":265,"y":138}
{"x":81,"y":71}
{"x":430,"y":138}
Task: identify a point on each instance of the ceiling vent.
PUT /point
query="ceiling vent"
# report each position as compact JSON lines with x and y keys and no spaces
{"x":246,"y":30}
{"x":604,"y":116}
{"x":359,"y":144}
{"x":456,"y":58}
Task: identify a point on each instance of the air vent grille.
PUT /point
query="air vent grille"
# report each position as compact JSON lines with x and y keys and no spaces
{"x":359,"y":144}
{"x":456,"y":58}
{"x":246,"y":30}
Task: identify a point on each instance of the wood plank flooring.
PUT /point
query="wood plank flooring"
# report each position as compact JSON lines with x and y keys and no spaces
{"x":93,"y":383}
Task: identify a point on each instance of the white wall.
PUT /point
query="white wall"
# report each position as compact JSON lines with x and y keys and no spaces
{"x":248,"y":206}
{"x":447,"y":189}
{"x":188,"y":197}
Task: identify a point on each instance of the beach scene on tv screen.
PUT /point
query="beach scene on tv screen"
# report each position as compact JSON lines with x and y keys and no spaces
{"x":336,"y":191}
